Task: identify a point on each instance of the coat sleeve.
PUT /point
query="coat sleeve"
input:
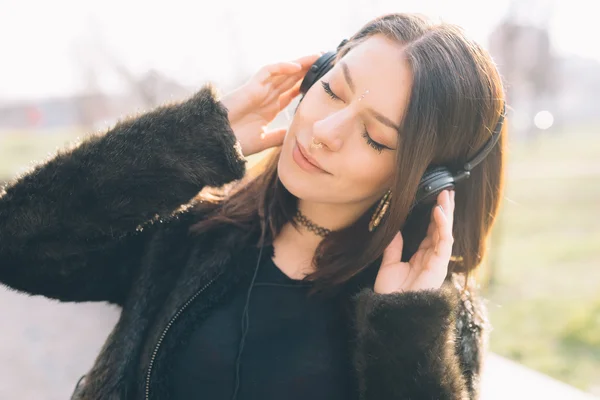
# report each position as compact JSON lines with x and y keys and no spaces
{"x":424,"y":345}
{"x":70,"y":228}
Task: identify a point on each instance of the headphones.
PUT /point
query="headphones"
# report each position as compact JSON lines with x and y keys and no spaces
{"x":435,"y":179}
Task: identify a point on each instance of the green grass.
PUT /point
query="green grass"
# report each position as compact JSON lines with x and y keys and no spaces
{"x":544,"y":299}
{"x":19,"y":150}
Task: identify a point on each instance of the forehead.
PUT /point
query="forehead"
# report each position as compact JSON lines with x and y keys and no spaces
{"x":379,"y":65}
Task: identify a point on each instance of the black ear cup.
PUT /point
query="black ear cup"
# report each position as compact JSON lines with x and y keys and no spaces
{"x":317,"y":70}
{"x":433,"y":182}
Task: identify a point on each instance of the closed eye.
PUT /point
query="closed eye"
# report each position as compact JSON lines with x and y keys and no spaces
{"x":328,"y":90}
{"x":375,"y":145}
{"x":378,"y":147}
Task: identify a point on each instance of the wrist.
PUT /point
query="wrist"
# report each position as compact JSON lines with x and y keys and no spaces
{"x":234,"y":107}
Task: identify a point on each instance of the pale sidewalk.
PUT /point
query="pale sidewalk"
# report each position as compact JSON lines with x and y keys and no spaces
{"x":506,"y":380}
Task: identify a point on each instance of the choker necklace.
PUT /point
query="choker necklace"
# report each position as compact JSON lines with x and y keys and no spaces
{"x":311,"y":226}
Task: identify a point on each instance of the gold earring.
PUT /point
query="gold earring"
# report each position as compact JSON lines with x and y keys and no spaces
{"x":380,"y":211}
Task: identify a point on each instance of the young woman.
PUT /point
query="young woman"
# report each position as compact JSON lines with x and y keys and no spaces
{"x":331,"y":273}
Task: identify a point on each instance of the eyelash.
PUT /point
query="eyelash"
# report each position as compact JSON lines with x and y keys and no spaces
{"x":328,"y":90}
{"x":375,"y":145}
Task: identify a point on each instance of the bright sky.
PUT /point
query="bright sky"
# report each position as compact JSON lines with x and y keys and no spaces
{"x":46,"y":44}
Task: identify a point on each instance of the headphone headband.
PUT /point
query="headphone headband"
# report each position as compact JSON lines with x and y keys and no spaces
{"x":484,"y":151}
{"x":478,"y":158}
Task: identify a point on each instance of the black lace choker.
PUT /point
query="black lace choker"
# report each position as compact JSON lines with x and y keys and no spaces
{"x":311,"y":226}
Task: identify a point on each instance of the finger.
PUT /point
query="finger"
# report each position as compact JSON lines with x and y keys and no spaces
{"x":284,"y":82}
{"x":452,"y":208}
{"x":447,"y":203}
{"x":273,"y":138}
{"x":286,"y":98}
{"x":278,"y":73}
{"x":431,"y":237}
{"x":432,"y":228}
{"x":287,"y":83}
{"x":438,"y":201}
{"x":307,"y":61}
{"x":282,"y":68}
{"x":393,"y":252}
{"x":443,"y":247}
{"x":443,"y":200}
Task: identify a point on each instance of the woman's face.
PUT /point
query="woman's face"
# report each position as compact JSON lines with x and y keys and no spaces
{"x":354,"y":112}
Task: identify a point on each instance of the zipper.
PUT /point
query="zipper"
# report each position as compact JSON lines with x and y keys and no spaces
{"x":166,"y":330}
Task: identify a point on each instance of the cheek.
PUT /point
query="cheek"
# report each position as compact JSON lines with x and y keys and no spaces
{"x":313,"y":105}
{"x":301,"y":123}
{"x":368,"y":174}
{"x":291,"y":176}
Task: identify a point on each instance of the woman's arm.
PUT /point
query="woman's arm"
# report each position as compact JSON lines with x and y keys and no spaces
{"x":68,"y":228}
{"x":419,"y":345}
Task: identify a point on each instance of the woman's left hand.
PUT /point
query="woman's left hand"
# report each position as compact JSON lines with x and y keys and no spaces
{"x":428,"y":267}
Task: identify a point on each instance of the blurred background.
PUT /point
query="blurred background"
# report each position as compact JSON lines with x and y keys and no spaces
{"x":70,"y":68}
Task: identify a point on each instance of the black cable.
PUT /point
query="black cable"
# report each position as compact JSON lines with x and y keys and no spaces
{"x":245,"y":326}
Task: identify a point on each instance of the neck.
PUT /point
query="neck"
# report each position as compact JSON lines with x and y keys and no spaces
{"x":299,"y":243}
{"x":331,"y":216}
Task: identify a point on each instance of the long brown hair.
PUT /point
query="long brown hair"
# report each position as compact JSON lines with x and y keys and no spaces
{"x":455,"y":103}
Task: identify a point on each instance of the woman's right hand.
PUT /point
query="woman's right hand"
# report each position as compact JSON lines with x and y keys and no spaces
{"x":255,"y":104}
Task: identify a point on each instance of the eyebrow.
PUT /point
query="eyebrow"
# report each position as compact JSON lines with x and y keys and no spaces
{"x":384,"y":120}
{"x":347,"y":75}
{"x":379,"y":117}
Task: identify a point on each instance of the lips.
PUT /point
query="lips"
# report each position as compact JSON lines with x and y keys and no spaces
{"x":308,"y":157}
{"x":305,"y":161}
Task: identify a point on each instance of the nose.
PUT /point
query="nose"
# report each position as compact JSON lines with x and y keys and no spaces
{"x":331,"y":130}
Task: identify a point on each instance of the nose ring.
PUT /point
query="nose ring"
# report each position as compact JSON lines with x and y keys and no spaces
{"x":315,"y":145}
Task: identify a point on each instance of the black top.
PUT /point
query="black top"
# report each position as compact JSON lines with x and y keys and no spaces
{"x":296,"y":346}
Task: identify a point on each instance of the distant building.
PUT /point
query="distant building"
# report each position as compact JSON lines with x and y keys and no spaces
{"x":577,"y":96}
{"x":536,"y":79}
{"x":52,"y":113}
{"x":89,"y":111}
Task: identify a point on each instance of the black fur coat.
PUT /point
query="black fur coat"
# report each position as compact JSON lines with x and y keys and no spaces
{"x":97,"y":223}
